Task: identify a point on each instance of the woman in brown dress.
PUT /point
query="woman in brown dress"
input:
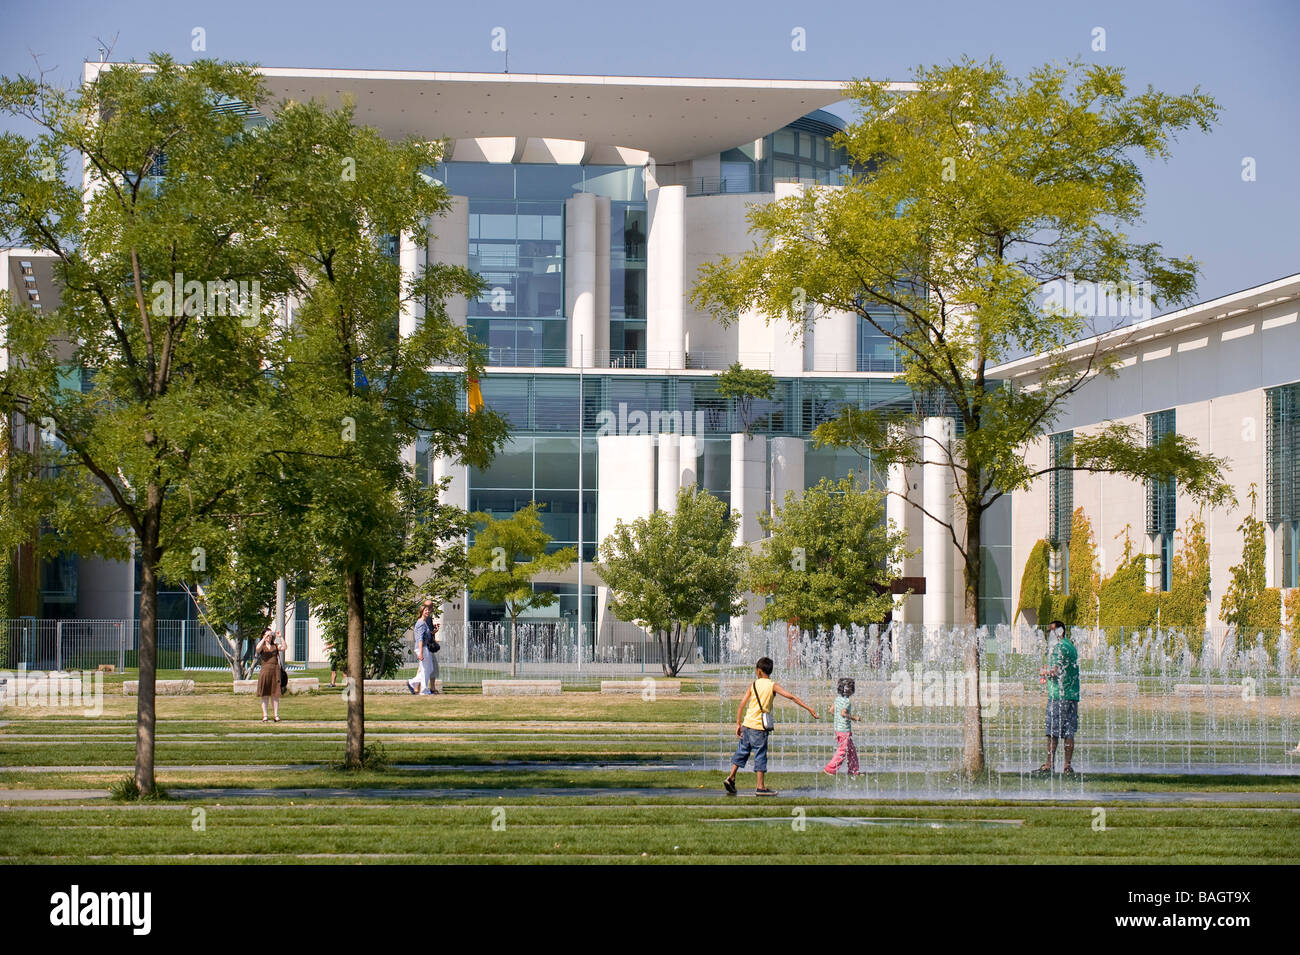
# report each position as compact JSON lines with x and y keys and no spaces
{"x":268,"y":684}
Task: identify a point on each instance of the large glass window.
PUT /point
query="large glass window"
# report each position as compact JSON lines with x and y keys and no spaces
{"x":1282,"y":476}
{"x":1060,"y":503}
{"x":516,"y":243}
{"x":1162,"y":498}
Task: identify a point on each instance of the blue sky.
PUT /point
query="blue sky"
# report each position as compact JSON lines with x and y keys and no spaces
{"x":1243,"y":53}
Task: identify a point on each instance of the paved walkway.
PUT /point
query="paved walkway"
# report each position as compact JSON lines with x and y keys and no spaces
{"x":859,"y":795}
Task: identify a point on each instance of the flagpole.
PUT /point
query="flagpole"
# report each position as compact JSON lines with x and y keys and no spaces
{"x":581,"y":415}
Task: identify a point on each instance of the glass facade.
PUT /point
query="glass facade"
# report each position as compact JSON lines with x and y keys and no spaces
{"x":540,"y":463}
{"x":1162,"y":499}
{"x":804,"y":150}
{"x":1060,"y":505}
{"x":1282,"y":476}
{"x":516,"y":243}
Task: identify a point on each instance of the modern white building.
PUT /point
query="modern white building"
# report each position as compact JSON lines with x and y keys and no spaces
{"x":1226,"y":373}
{"x":588,"y":204}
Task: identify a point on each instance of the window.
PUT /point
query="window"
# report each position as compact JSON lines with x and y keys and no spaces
{"x":1162,"y":497}
{"x":1282,"y":476}
{"x":1060,"y":503}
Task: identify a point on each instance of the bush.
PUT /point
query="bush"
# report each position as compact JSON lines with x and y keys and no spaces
{"x":1125,"y":601}
{"x":127,"y":789}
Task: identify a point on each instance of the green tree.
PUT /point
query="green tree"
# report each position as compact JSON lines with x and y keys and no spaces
{"x":1249,"y":604}
{"x":232,"y":580}
{"x":745,"y":386}
{"x":147,"y":380}
{"x":1035,"y":593}
{"x":827,"y":559}
{"x":356,"y":387}
{"x":1126,"y":601}
{"x":1184,"y":607}
{"x":982,"y":194}
{"x":1085,"y":579}
{"x":506,"y":556}
{"x":422,"y":556}
{"x":672,"y":572}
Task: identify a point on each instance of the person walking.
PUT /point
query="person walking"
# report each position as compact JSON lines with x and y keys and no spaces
{"x":753,"y":722}
{"x":268,"y":683}
{"x":426,"y":649}
{"x":844,"y":720}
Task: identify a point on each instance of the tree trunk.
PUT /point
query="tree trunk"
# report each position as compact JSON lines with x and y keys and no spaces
{"x":356,"y":669}
{"x":147,"y":662}
{"x":972,"y":761}
{"x":514,"y":646}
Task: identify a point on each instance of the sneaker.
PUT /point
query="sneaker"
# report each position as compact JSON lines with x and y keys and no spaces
{"x":730,"y":786}
{"x":764,"y":792}
{"x":426,"y":693}
{"x":410,"y":688}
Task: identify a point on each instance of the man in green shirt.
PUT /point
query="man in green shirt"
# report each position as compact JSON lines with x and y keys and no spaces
{"x":1062,"y":675}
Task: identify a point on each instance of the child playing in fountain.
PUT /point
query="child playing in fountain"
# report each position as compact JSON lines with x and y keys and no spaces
{"x":754,"y":705}
{"x":844,"y":720}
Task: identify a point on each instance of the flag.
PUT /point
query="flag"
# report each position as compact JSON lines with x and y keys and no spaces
{"x":475,"y":396}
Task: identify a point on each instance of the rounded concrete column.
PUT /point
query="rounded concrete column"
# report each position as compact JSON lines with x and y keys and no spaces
{"x":748,"y":483}
{"x":670,"y":471}
{"x":410,"y":259}
{"x":835,"y":341}
{"x":787,"y":469}
{"x":937,"y":497}
{"x":907,"y":518}
{"x":688,"y":458}
{"x":580,"y":276}
{"x":665,"y":277}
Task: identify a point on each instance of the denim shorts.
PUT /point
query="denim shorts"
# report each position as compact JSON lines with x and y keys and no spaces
{"x":751,"y":741}
{"x":1062,"y":718}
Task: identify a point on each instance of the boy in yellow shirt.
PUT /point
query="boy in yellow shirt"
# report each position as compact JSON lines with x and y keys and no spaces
{"x":756,"y":702}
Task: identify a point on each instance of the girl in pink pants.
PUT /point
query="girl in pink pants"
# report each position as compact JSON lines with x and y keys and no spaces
{"x":844,"y":720}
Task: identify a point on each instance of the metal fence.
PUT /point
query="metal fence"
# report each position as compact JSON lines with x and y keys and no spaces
{"x":30,"y":644}
{"x":553,"y":649}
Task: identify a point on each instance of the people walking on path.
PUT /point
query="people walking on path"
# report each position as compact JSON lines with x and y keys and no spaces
{"x":754,"y":721}
{"x":426,"y":649}
{"x":844,"y":720}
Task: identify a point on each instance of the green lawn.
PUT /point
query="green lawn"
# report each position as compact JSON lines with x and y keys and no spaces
{"x":577,"y":778}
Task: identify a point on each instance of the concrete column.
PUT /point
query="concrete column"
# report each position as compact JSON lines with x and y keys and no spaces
{"x":748,"y":484}
{"x":412,"y":262}
{"x":626,"y":464}
{"x":835,"y":341}
{"x":600,"y":349}
{"x":937,"y":497}
{"x":665,"y":278}
{"x":908,"y":519}
{"x":454,"y":614}
{"x":670,"y":471}
{"x":580,"y":276}
{"x":688,"y":460}
{"x":449,"y":245}
{"x":787,"y":469}
{"x":749,"y":498}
